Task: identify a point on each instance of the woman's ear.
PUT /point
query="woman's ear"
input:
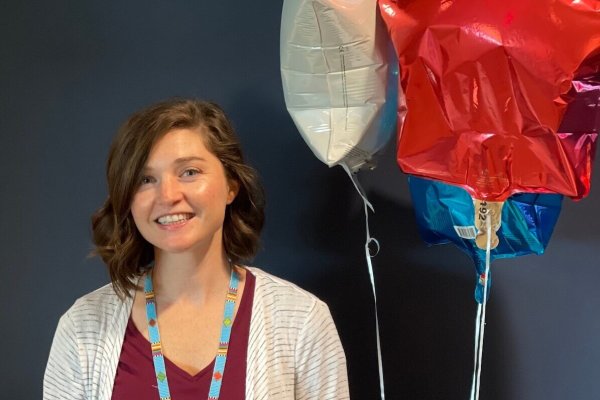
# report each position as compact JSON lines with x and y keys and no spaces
{"x":234,"y":187}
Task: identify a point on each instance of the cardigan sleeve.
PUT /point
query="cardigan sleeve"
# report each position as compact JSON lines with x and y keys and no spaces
{"x":63,"y":378}
{"x":320,"y":361}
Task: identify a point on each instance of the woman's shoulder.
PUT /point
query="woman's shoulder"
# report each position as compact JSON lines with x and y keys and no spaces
{"x":280,"y":285}
{"x":97,"y":306}
{"x":282,"y":294}
{"x":104,"y":296}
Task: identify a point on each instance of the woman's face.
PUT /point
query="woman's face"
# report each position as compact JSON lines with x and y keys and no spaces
{"x":181,"y":200}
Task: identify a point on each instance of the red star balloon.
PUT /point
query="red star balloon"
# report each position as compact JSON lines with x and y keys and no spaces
{"x":487,"y":83}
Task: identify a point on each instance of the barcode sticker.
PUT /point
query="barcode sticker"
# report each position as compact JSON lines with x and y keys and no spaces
{"x":466,"y":232}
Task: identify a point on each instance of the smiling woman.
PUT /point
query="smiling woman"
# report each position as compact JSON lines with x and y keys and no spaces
{"x":183,"y":195}
{"x":118,"y":240}
{"x":184,"y":212}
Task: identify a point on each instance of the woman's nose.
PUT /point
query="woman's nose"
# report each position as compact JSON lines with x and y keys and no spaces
{"x":169,"y":190}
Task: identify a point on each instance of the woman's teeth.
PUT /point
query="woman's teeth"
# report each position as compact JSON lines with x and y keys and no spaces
{"x":171,"y":219}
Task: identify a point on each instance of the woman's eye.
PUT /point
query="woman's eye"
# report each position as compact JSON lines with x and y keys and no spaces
{"x":190,"y":172}
{"x":145,"y":180}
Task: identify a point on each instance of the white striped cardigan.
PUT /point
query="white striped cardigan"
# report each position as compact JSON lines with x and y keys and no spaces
{"x":294,"y":351}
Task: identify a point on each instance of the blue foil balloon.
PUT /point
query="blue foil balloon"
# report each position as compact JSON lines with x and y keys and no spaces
{"x":445,"y":214}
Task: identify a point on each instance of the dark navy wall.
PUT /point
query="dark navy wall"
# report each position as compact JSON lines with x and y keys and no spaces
{"x":70,"y":72}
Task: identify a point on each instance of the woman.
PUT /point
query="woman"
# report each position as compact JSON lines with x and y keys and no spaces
{"x":182,"y":214}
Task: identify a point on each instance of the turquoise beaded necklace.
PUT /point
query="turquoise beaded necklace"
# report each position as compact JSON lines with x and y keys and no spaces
{"x":157,"y":355}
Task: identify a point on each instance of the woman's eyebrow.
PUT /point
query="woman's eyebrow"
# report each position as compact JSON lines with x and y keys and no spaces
{"x":178,"y":161}
{"x":183,"y":160}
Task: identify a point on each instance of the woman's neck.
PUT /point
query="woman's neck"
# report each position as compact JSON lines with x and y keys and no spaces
{"x":188,"y":277}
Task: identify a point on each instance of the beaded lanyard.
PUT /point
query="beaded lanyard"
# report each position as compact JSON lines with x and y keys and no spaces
{"x":157,"y":355}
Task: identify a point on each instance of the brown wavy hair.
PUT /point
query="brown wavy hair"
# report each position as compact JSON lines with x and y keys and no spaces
{"x":117,"y":240}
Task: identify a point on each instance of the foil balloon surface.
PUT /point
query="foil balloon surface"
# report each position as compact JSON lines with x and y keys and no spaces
{"x":445,"y":214}
{"x":487,"y":83}
{"x":340,"y":78}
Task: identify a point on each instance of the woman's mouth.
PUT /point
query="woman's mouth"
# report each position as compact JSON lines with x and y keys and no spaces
{"x":173,"y":219}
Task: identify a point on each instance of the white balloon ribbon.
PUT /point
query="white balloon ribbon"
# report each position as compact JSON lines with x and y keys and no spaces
{"x":368,"y":256}
{"x":480,"y":319}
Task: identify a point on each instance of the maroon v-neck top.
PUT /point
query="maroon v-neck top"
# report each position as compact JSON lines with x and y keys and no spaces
{"x":136,"y":379}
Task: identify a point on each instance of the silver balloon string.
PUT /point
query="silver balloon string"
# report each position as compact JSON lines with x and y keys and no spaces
{"x":480,"y":319}
{"x":368,"y":256}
